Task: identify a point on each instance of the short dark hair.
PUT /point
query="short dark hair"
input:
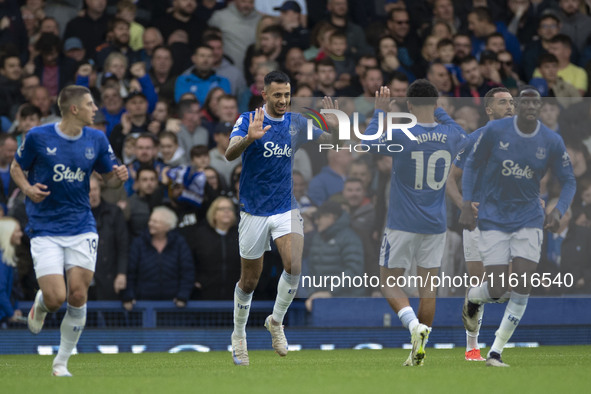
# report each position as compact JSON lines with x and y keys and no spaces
{"x":489,"y":96}
{"x":113,"y":22}
{"x":29,"y":110}
{"x":355,"y":180}
{"x":185,"y":105}
{"x":148,"y":136}
{"x":493,"y":35}
{"x":326,"y":62}
{"x":399,"y":76}
{"x":482,"y":13}
{"x":444,"y":42}
{"x":47,"y":43}
{"x":69,"y":95}
{"x":7,"y":55}
{"x":562,"y":39}
{"x":422,"y":92}
{"x":6,"y":136}
{"x":467,"y":59}
{"x":339,"y":33}
{"x":274,"y":30}
{"x":277,"y":77}
{"x":211,"y":37}
{"x":549,"y":15}
{"x":198,"y":151}
{"x":198,"y":47}
{"x":168,"y":134}
{"x":525,"y":88}
{"x":547,"y":58}
{"x":146,"y":168}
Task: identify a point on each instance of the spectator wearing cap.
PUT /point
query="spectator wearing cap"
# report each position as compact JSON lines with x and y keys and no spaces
{"x":217,"y":156}
{"x":273,"y":8}
{"x":290,"y":20}
{"x":238,"y":23}
{"x":91,"y":28}
{"x":55,"y":70}
{"x":222,"y":66}
{"x":201,"y":77}
{"x":335,"y":249}
{"x":135,"y":120}
{"x":74,"y":49}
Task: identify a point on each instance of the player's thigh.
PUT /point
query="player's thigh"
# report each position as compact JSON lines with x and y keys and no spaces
{"x":430,"y":250}
{"x":253,"y":235}
{"x":80,"y":251}
{"x":527,"y":244}
{"x":398,"y":249}
{"x":470,"y":240}
{"x":48,"y":256}
{"x":288,"y":233}
{"x":494,"y":248}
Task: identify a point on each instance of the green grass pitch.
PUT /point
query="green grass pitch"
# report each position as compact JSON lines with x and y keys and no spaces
{"x":549,"y":369}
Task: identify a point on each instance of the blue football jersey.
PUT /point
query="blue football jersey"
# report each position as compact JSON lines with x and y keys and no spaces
{"x":419,"y":173}
{"x":512,"y":164}
{"x":64,"y":164}
{"x":462,"y":156}
{"x":265,"y":181}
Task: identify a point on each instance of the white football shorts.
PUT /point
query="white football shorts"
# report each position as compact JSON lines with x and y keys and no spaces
{"x":400,"y":249}
{"x":499,"y":248}
{"x":54,"y":254}
{"x":255,"y":232}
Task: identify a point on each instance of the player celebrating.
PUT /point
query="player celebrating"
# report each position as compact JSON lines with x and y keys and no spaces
{"x":512,"y":155}
{"x":415,"y":231}
{"x":267,"y":138}
{"x":59,"y":159}
{"x":498,"y":104}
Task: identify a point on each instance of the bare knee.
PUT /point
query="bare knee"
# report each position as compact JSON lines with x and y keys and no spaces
{"x":53,"y":300}
{"x":77,"y":297}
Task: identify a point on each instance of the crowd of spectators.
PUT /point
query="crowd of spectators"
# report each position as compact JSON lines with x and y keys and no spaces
{"x":170,"y":78}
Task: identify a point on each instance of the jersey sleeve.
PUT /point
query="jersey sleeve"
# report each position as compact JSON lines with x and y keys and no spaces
{"x":477,"y":158}
{"x":27,"y":152}
{"x":464,"y":152}
{"x":240,"y":128}
{"x":562,"y":168}
{"x":106,"y":158}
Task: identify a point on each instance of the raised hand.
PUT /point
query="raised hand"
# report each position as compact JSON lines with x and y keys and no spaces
{"x":383,"y":98}
{"x":331,"y":120}
{"x":255,"y":127}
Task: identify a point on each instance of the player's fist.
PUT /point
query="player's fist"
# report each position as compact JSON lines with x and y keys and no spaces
{"x":552,"y":220}
{"x":37,"y":192}
{"x":467,"y":219}
{"x":121,"y":173}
